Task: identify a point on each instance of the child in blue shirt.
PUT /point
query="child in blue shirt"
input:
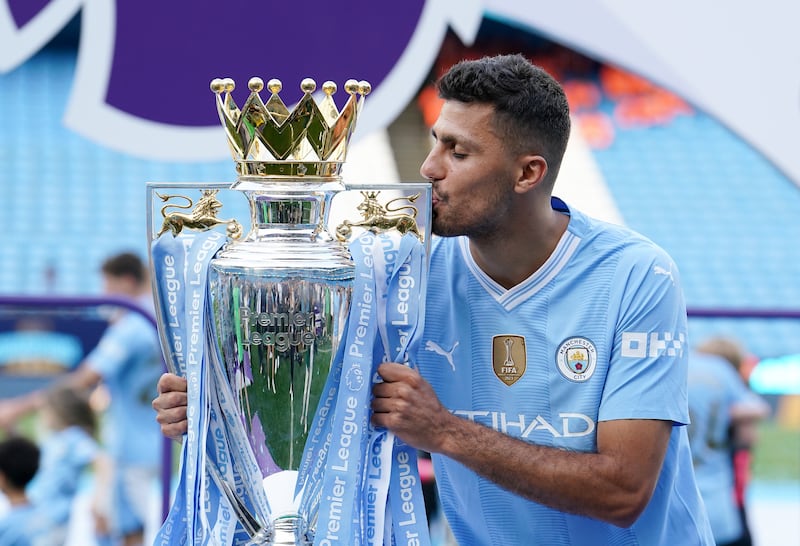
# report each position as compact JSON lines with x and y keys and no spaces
{"x":68,"y":450}
{"x":19,"y":461}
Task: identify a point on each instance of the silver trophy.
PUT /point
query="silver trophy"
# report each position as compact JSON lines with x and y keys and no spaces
{"x":281,"y":294}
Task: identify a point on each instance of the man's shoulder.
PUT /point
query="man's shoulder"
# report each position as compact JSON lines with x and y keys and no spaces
{"x":629,"y":249}
{"x":608,"y":233}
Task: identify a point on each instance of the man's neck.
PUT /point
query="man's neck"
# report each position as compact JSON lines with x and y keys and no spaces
{"x":515,"y":255}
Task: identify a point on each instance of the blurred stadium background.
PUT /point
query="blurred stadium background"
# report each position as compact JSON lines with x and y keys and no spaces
{"x":639,"y":155}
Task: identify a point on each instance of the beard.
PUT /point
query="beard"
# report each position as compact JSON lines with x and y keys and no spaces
{"x":477,"y":218}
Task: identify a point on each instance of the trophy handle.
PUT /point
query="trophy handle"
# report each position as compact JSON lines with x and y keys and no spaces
{"x":379,"y":218}
{"x":249,"y":522}
{"x":202,"y":217}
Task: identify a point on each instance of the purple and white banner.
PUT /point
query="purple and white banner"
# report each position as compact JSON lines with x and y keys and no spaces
{"x":141,"y":84}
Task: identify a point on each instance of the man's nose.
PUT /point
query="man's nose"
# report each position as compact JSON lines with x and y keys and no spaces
{"x":428,"y":169}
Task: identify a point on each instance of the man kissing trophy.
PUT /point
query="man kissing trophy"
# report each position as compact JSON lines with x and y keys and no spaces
{"x":279,"y":332}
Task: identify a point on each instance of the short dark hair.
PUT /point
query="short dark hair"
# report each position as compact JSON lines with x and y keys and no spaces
{"x":126,"y":264}
{"x":532,"y":112}
{"x":19,"y":460}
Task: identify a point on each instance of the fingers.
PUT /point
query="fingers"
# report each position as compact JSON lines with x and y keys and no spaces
{"x":171,"y":417}
{"x":383,"y":401}
{"x":169,"y":382}
{"x":392,"y":371}
{"x":395,"y":398}
{"x":169,"y":401}
{"x":174,"y":432}
{"x":405,"y":404}
{"x":170,"y":406}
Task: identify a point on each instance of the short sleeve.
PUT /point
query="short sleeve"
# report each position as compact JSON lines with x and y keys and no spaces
{"x":647,"y":376}
{"x":119,"y":342}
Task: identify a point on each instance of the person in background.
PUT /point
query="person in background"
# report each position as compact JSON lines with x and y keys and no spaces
{"x":551,"y":390}
{"x":127,"y":362}
{"x":67,"y":451}
{"x":725,"y":414}
{"x":19,"y":461}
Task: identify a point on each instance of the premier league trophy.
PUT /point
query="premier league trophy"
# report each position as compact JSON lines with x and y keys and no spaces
{"x":257,"y":323}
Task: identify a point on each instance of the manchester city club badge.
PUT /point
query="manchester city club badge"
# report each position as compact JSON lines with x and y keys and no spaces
{"x":576,"y":358}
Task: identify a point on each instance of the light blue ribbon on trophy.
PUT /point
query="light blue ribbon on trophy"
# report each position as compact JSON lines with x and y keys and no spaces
{"x":201,"y":512}
{"x":175,"y":261}
{"x":387,"y":256}
{"x":338,"y":519}
{"x":231,"y":463}
{"x":315,"y":452}
{"x":169,"y":261}
{"x":394,"y":315}
{"x":400,"y":267}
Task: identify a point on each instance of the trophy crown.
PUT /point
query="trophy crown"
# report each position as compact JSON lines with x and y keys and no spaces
{"x":267,"y":139}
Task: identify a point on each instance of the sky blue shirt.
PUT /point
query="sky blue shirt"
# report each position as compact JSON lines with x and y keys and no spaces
{"x":19,"y":526}
{"x":598,"y":333}
{"x":128,"y":357}
{"x":65,"y":456}
{"x":714,"y":387}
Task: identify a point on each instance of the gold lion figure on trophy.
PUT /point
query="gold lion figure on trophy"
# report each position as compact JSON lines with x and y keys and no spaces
{"x":201,"y":218}
{"x":379,"y":218}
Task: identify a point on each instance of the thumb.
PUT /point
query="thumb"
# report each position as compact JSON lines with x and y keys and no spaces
{"x":392,"y":371}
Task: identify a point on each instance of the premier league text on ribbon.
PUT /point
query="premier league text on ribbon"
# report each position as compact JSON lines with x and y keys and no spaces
{"x":344,"y":467}
{"x":174,"y":295}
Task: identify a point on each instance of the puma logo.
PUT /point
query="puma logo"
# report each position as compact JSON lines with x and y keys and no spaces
{"x":658,"y":270}
{"x":434,"y":347}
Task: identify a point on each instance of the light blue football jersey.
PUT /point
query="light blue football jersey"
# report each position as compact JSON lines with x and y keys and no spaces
{"x":714,"y":387}
{"x":128,"y":358}
{"x":598,"y":333}
{"x":19,"y":526}
{"x":66,"y":454}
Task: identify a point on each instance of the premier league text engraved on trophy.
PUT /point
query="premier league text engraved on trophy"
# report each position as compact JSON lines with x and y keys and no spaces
{"x":282,"y":294}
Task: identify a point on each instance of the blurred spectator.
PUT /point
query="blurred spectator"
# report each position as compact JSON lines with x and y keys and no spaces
{"x":724,"y":413}
{"x":68,"y":449}
{"x":743,"y":434}
{"x":732,"y":351}
{"x":19,"y":461}
{"x":127,"y":361}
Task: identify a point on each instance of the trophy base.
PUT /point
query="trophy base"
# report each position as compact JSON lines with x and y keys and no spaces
{"x":284,"y":533}
{"x":288,"y":528}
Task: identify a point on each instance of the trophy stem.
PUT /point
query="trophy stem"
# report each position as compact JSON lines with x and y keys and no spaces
{"x":285,"y":532}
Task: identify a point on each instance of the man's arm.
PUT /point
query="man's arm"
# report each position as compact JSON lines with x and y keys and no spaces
{"x":613,"y":485}
{"x":745,"y":416}
{"x":13,"y":409}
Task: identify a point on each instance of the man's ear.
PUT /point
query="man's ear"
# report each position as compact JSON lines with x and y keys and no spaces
{"x":534,"y":170}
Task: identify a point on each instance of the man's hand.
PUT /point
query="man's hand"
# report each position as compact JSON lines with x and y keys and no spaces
{"x":170,"y":405}
{"x":406,"y":405}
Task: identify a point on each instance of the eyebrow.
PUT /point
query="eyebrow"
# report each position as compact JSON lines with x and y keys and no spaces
{"x":451,"y":140}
